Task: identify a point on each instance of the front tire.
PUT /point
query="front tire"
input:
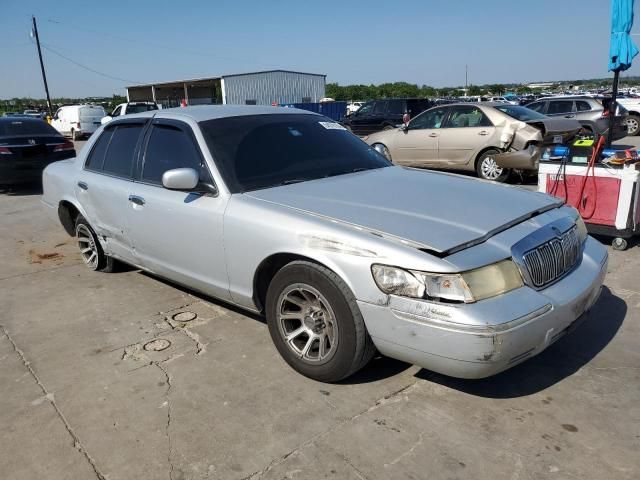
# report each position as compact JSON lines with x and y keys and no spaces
{"x":90,"y":249}
{"x":315,"y":323}
{"x":488,"y":169}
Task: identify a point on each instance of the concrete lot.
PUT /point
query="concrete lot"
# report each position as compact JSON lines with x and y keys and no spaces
{"x":81,"y":397}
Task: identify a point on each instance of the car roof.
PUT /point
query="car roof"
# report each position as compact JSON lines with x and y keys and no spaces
{"x":201,"y":113}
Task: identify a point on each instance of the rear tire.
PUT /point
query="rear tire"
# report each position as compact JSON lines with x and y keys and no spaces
{"x":74,"y":135}
{"x":619,"y":244}
{"x":633,"y":125}
{"x":90,"y":249}
{"x":488,"y":169}
{"x":315,"y":322}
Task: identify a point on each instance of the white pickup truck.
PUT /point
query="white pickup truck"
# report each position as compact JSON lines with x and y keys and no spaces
{"x":131,"y":107}
{"x":632,"y":105}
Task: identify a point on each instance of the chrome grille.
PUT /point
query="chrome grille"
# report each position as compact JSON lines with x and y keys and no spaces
{"x":548,"y":262}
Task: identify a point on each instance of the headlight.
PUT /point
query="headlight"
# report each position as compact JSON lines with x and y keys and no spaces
{"x":464,"y":287}
{"x":582,"y":229}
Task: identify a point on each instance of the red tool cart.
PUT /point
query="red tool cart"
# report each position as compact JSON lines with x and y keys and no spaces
{"x":606,"y":195}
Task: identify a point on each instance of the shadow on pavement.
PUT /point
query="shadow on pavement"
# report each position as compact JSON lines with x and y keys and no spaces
{"x":377,"y":369}
{"x":21,"y":190}
{"x":559,"y":361}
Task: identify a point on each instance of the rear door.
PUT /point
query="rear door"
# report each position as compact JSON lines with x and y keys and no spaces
{"x":103,"y":186}
{"x":177,"y":234}
{"x":561,"y":108}
{"x":417,"y":146}
{"x":467,"y":130}
{"x":89,"y":117}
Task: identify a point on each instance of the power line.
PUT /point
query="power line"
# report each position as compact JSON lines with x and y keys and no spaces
{"x":139,"y":41}
{"x":93,"y":70}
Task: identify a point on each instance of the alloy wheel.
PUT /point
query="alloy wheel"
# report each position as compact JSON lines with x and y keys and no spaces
{"x":633,"y":125}
{"x":88,"y":248}
{"x":490,"y":169}
{"x":307,"y":323}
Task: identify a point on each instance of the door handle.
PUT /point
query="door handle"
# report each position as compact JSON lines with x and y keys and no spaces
{"x":433,"y":135}
{"x":83,"y":185}
{"x":483,"y":132}
{"x":136,"y":199}
{"x":569,"y":116}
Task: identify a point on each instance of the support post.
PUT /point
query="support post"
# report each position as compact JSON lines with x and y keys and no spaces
{"x":612,"y":105}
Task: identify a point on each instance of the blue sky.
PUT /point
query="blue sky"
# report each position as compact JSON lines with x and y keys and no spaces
{"x":351,"y":41}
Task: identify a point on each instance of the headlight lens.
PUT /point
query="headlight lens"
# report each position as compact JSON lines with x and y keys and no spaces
{"x":464,"y":287}
{"x":582,"y":229}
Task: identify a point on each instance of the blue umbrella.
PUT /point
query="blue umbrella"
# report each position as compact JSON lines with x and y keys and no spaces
{"x":621,"y":50}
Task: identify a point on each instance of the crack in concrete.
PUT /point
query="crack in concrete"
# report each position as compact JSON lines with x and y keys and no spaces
{"x":77,"y":444}
{"x":360,"y":474}
{"x":389,"y":398}
{"x":168,"y":425}
{"x":409,"y":451}
{"x":194,"y":337}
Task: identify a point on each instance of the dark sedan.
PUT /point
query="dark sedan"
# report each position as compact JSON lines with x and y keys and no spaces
{"x":27,"y":145}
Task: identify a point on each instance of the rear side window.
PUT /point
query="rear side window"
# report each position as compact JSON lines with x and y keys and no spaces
{"x":560,"y":106}
{"x":418,"y":106}
{"x":96,"y":157}
{"x":582,"y":106}
{"x":467,"y":116}
{"x":380,"y":108}
{"x":118,"y":159}
{"x":397,"y":107}
{"x":26,"y":127}
{"x":536,"y":107}
{"x":168,"y":148}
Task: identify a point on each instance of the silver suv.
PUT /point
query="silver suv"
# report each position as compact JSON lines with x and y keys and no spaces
{"x":592,"y":113}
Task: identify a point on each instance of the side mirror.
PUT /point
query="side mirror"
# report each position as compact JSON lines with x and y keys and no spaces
{"x":405,"y":127}
{"x":180,"y":179}
{"x":106,"y":119}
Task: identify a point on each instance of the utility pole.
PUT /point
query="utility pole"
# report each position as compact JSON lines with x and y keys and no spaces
{"x":466,"y":78}
{"x":44,"y":76}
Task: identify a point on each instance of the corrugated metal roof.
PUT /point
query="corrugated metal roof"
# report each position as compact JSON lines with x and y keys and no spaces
{"x":203,"y":79}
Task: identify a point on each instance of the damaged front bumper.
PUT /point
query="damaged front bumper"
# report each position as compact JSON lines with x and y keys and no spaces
{"x":482,"y":339}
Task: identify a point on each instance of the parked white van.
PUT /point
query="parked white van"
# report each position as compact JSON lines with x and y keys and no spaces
{"x":77,"y":121}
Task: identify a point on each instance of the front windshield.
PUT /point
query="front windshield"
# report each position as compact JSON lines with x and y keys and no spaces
{"x":520,"y":113}
{"x":261,"y":151}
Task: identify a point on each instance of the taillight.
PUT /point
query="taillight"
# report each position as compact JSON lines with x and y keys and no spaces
{"x":78,"y":124}
{"x":605,"y":113}
{"x":5,"y":151}
{"x":64,"y":147}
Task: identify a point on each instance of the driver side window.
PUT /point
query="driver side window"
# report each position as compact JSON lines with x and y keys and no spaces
{"x":429,"y":119}
{"x":366,"y":109}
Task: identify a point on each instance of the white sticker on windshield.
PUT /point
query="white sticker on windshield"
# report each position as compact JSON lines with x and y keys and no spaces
{"x":332,"y":126}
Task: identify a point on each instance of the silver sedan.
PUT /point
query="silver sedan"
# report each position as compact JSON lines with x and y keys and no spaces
{"x":284,"y":212}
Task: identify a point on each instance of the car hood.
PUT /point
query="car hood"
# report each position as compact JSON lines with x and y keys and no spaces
{"x":440,"y":212}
